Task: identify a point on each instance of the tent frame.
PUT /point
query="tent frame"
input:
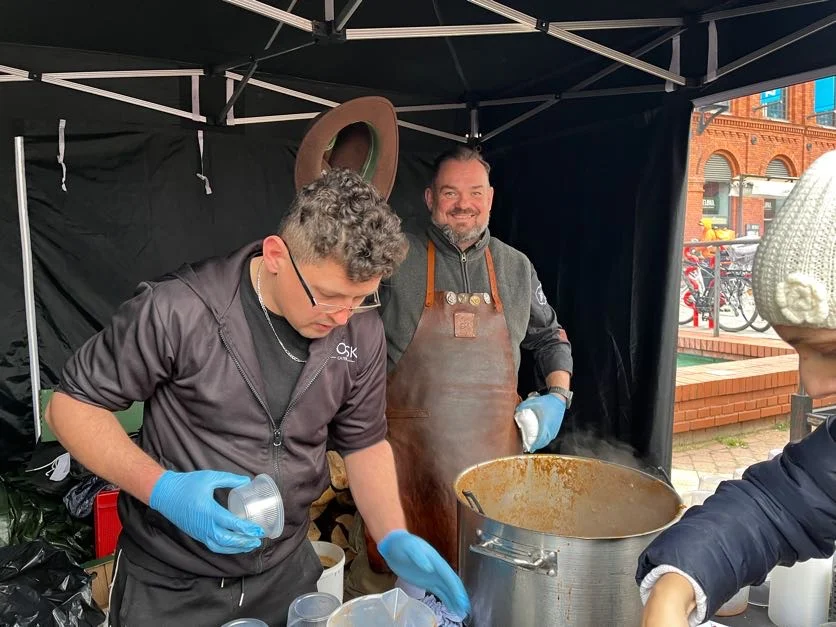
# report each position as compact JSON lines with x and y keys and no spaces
{"x":333,"y":29}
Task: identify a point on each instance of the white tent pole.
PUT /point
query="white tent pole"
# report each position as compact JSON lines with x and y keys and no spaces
{"x":431,"y":131}
{"x":28,"y":283}
{"x":283,"y":90}
{"x":664,"y":38}
{"x":5,"y":78}
{"x":46,"y":78}
{"x":121,"y":98}
{"x":781,"y":43}
{"x":432,"y":107}
{"x":275,"y":14}
{"x":329,"y":10}
{"x":286,"y":117}
{"x":520,"y":118}
{"x":577,"y":40}
{"x":467,"y":30}
{"x":124,"y":74}
{"x":754,"y":9}
{"x":412,"y":32}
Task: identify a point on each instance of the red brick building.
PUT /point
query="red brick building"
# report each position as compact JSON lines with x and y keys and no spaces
{"x":768,"y":139}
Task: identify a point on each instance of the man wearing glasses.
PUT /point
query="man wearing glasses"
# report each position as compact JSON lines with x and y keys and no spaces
{"x":246,"y":365}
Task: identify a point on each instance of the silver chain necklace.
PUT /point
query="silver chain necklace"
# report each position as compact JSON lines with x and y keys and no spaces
{"x":267,"y":315}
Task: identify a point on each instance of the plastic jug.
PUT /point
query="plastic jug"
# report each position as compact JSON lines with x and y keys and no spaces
{"x":800,"y":594}
{"x":390,"y":609}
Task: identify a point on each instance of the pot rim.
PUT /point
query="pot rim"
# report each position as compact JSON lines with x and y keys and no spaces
{"x":462,"y":501}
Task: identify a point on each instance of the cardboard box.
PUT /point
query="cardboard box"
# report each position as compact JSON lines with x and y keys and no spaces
{"x":102,"y":571}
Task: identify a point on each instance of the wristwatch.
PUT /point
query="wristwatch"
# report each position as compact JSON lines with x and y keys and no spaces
{"x":559,"y":391}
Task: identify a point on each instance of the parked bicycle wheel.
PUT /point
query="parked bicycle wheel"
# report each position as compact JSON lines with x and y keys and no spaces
{"x":760,"y":325}
{"x":738,"y":311}
{"x":686,"y":300}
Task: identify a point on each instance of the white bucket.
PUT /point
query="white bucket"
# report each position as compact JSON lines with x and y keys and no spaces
{"x":331,"y":580}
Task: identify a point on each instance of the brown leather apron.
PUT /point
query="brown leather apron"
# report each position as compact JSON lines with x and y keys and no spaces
{"x":450,"y":404}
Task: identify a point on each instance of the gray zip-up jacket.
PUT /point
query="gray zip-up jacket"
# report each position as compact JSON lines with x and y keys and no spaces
{"x":532,"y":322}
{"x":182,"y":345}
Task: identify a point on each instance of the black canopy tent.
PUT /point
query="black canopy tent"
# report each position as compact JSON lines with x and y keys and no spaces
{"x":583,"y":110}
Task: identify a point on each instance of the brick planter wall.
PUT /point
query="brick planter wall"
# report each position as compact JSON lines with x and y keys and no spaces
{"x":735,"y":396}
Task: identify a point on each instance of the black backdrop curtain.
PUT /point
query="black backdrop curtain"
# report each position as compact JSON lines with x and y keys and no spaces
{"x":598,"y":210}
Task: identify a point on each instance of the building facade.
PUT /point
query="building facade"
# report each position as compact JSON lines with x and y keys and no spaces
{"x":746,"y":153}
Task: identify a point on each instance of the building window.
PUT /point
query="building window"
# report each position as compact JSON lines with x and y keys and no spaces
{"x":772,"y":204}
{"x":774,"y":104}
{"x":716,"y":188}
{"x":824,"y":101}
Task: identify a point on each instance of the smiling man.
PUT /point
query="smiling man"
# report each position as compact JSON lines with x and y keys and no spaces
{"x":456,"y":315}
{"x":246,"y":365}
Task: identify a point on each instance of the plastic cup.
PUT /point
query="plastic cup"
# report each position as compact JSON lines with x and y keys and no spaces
{"x":260,"y":502}
{"x":312,"y":609}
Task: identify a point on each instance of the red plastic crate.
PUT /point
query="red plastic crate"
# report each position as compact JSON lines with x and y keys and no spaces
{"x":106,"y":523}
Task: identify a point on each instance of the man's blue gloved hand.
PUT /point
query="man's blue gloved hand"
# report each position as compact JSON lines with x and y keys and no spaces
{"x":415,"y":561}
{"x":187,"y":499}
{"x":549,"y":410}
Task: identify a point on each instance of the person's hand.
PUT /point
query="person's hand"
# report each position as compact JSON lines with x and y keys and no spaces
{"x":549,"y":410}
{"x":187,"y":499}
{"x":670,"y":603}
{"x":415,"y":561}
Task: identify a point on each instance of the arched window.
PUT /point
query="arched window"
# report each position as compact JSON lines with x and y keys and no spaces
{"x":716,"y":188}
{"x":777,"y":167}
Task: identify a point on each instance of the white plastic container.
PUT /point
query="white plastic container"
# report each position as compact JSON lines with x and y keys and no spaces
{"x":390,"y":609}
{"x":735,"y":605}
{"x":799,"y":595}
{"x":259,"y":501}
{"x":331,"y":580}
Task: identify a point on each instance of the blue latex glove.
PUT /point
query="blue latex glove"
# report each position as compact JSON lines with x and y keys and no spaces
{"x":549,"y":410}
{"x":415,"y":561}
{"x":187,"y":499}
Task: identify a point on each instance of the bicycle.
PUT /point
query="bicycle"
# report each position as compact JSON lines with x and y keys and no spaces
{"x":696,"y":292}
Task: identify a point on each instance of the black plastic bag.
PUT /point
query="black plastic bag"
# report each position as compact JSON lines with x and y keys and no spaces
{"x":26,"y":515}
{"x":40,"y":586}
{"x":81,"y":497}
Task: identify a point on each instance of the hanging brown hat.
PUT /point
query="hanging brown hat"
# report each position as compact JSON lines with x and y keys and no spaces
{"x":361,"y":134}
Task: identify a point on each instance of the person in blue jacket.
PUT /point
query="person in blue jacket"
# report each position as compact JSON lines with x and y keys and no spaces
{"x":784,"y":510}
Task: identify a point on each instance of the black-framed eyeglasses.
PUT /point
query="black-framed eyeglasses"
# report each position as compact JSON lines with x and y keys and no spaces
{"x":369,"y":302}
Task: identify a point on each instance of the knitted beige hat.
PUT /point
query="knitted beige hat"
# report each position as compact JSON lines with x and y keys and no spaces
{"x":794,"y":275}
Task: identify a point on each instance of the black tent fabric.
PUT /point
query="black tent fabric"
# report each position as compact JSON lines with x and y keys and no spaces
{"x":591,"y":187}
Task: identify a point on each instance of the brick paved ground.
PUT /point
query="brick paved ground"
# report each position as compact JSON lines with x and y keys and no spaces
{"x":722,"y":457}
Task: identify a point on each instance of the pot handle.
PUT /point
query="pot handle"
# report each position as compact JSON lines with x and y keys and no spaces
{"x":543,"y":562}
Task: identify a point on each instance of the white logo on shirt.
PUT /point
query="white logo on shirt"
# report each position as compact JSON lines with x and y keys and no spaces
{"x":541,"y":297}
{"x":345,"y":352}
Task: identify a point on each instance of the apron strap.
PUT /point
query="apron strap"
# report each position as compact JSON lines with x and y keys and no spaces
{"x":428,"y":301}
{"x":492,"y":278}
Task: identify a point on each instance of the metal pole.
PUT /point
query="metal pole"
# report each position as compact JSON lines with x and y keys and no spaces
{"x":346,"y":13}
{"x":716,"y":313}
{"x":764,"y":7}
{"x":740,"y":232}
{"x":239,"y":89}
{"x":784,"y":41}
{"x":275,"y":14}
{"x":587,"y":44}
{"x":520,"y":118}
{"x":665,"y":37}
{"x":28,"y":283}
{"x":800,"y":406}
